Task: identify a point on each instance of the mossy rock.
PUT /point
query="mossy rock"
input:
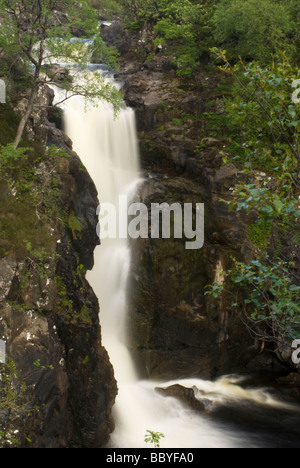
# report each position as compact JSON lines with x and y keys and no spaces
{"x":9,"y":122}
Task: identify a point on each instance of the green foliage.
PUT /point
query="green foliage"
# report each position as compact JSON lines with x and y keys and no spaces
{"x":154,"y":438}
{"x":9,"y":123}
{"x":74,"y":224}
{"x":100,"y":53}
{"x":270,"y":296}
{"x":184,"y":27}
{"x":260,"y":233}
{"x":39,"y":365}
{"x":215,"y":289}
{"x":138,"y":11}
{"x":93,"y":87}
{"x":108,"y":8}
{"x":261,"y":107}
{"x":9,"y":155}
{"x":46,"y":40}
{"x":177,"y":122}
{"x":273,"y":298}
{"x":85,"y":315}
{"x":17,"y":72}
{"x":278,"y":206}
{"x":15,"y":405}
{"x":27,"y":207}
{"x":254,"y":29}
{"x":262,"y":113}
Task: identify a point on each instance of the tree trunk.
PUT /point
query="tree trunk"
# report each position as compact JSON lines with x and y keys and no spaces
{"x":26,"y":116}
{"x":33,"y":93}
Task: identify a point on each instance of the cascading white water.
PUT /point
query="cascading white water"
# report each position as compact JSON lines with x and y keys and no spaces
{"x":109,"y":150}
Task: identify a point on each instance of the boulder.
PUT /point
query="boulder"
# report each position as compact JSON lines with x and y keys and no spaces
{"x":185,"y":395}
{"x":292,"y":380}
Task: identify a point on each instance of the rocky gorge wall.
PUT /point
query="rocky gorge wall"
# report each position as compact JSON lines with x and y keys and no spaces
{"x":49,"y":313}
{"x":176,"y":330}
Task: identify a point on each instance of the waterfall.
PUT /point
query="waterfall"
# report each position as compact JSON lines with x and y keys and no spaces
{"x":108,"y":148}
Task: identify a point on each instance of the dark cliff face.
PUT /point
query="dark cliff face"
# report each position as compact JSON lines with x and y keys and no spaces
{"x":176,"y":330}
{"x":49,"y":312}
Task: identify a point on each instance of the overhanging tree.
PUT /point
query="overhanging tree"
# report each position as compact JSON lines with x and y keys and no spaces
{"x":39,"y":32}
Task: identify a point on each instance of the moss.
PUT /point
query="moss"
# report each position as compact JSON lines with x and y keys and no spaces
{"x":9,"y":123}
{"x":60,"y":286}
{"x":28,"y":207}
{"x":177,"y":122}
{"x":86,"y":360}
{"x":260,"y":234}
{"x":20,"y":225}
{"x":74,"y":224}
{"x":25,"y":217}
{"x":85,"y":314}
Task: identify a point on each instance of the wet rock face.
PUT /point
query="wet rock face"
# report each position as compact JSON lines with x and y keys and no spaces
{"x":185,"y":395}
{"x":176,"y":330}
{"x":7,"y":273}
{"x":49,"y":320}
{"x":115,"y":35}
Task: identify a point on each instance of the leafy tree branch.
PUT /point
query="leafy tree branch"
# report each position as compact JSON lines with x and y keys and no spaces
{"x":38,"y":37}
